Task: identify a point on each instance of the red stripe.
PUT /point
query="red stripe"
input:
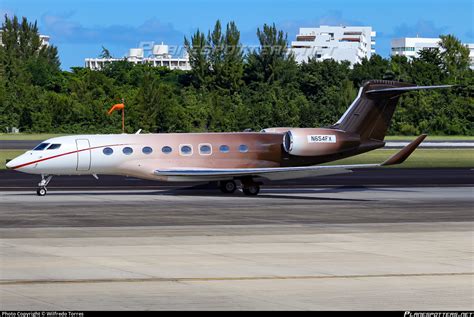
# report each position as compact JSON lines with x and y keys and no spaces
{"x":63,"y":154}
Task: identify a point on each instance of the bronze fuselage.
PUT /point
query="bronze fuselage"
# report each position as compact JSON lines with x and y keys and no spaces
{"x":264,"y":149}
{"x":275,"y":153}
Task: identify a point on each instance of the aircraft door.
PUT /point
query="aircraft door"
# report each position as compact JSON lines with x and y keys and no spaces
{"x":83,"y":156}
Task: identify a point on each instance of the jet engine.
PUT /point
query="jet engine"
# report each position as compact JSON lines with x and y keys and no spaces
{"x":315,"y":142}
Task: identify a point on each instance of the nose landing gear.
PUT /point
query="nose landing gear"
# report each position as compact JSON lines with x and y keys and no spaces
{"x":42,"y":191}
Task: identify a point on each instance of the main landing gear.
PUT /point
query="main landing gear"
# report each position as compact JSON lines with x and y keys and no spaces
{"x":227,"y":187}
{"x":249,"y":187}
{"x":251,"y":190}
{"x":42,"y":191}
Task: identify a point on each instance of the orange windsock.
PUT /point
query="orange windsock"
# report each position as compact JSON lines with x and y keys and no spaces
{"x":118,"y":106}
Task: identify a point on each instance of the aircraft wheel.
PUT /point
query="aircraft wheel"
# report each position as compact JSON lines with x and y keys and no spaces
{"x":42,"y":191}
{"x":251,"y":190}
{"x":228,"y":187}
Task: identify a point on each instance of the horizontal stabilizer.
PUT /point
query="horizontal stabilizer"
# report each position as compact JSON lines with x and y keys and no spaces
{"x":383,"y":91}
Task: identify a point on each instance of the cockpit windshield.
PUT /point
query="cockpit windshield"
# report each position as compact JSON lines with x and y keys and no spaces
{"x":41,"y":147}
{"x":54,"y":146}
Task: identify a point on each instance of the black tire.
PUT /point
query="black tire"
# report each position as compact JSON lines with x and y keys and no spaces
{"x":251,"y":190}
{"x":228,"y":187}
{"x":42,"y":191}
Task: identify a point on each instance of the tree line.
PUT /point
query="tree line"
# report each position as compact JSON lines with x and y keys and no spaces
{"x":228,"y":88}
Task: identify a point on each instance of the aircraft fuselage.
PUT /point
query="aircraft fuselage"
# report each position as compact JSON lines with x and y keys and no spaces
{"x":139,"y":155}
{"x":273,"y":154}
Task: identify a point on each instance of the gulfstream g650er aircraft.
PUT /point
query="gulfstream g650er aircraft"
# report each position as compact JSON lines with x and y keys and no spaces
{"x":246,"y":157}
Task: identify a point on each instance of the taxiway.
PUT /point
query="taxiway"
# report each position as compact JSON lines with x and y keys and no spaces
{"x":296,"y":248}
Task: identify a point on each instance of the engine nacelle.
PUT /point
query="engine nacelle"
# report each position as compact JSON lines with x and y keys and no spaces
{"x":318,"y":141}
{"x":276,"y":130}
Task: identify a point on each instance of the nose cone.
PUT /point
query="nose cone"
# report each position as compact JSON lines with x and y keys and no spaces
{"x":13,"y":163}
{"x":9,"y":164}
{"x":19,"y":163}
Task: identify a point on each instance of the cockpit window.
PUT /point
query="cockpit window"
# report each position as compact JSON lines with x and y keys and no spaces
{"x":54,"y":146}
{"x":41,"y":147}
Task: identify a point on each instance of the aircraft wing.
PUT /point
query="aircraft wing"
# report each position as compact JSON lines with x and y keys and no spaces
{"x":281,"y":173}
{"x":271,"y":173}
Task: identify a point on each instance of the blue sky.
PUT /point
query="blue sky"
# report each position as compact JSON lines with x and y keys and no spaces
{"x":79,"y":28}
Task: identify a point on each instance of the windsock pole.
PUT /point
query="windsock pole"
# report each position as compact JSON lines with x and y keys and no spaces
{"x":120,"y":106}
{"x":123,"y":117}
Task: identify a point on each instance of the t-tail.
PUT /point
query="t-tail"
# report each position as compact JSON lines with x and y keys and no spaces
{"x":370,"y":114}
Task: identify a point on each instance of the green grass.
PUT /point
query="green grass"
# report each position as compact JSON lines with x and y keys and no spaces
{"x":44,"y":136}
{"x":431,"y":138}
{"x":421,"y":158}
{"x":8,"y":154}
{"x":27,"y":136}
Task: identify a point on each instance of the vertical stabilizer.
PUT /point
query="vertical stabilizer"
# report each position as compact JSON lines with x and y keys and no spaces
{"x":371,"y":112}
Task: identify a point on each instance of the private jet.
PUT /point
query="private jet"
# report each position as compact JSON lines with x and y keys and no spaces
{"x":233,"y":160}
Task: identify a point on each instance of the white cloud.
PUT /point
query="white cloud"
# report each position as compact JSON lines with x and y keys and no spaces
{"x":422,"y":28}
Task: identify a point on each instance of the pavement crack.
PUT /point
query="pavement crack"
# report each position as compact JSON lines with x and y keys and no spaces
{"x":228,"y":278}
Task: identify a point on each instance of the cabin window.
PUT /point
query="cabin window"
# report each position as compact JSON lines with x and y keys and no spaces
{"x":108,"y":151}
{"x":224,"y":148}
{"x":186,"y":149}
{"x":243,"y":148}
{"x":41,"y":147}
{"x":54,"y":146}
{"x":166,"y":149}
{"x":147,"y":150}
{"x":205,"y":149}
{"x":127,"y":150}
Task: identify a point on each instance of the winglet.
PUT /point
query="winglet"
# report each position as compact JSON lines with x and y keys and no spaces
{"x":404,"y":153}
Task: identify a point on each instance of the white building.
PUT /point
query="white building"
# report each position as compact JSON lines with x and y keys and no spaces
{"x":350,"y":43}
{"x":159,"y":57}
{"x":43,"y":38}
{"x":411,"y":47}
{"x":471,"y":55}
